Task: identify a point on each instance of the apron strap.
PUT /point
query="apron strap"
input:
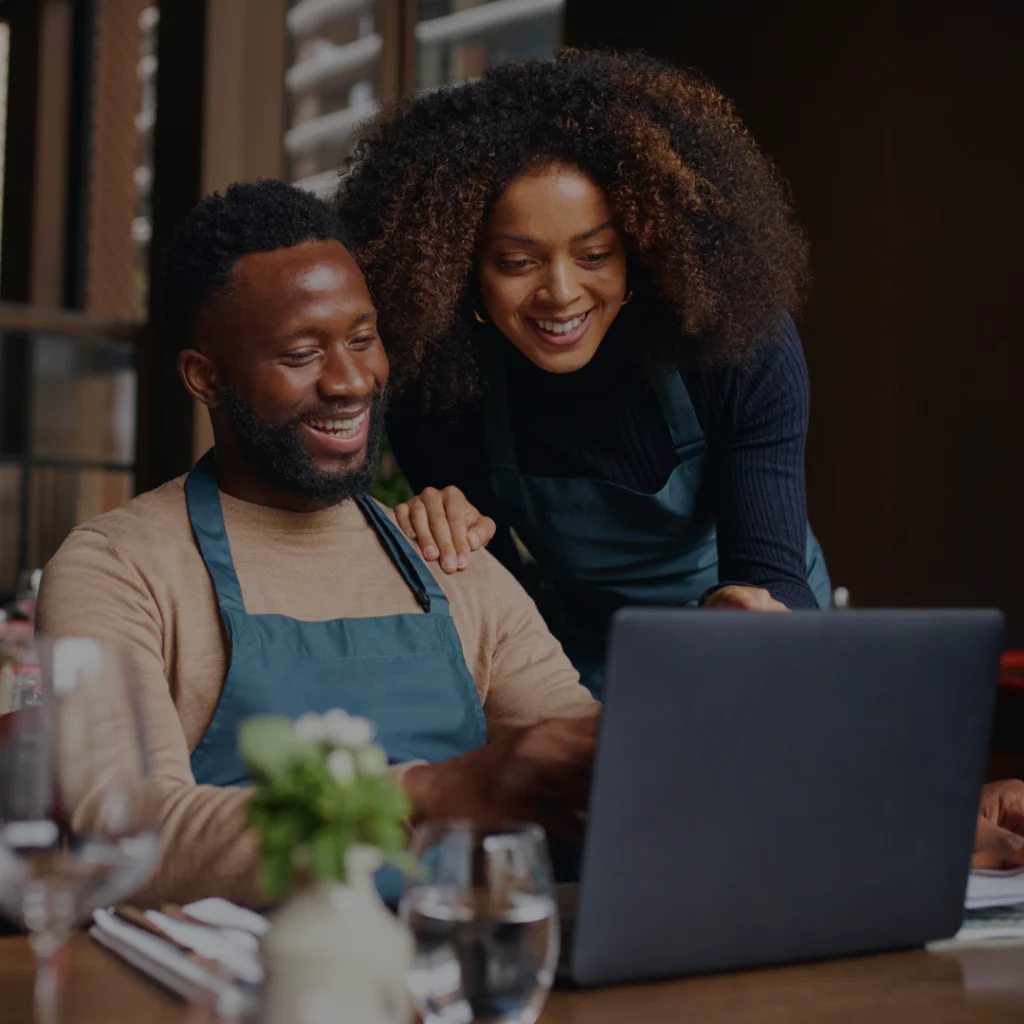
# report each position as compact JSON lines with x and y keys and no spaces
{"x":501,"y":449}
{"x":673,"y":398}
{"x":412,"y":568}
{"x":680,"y":416}
{"x":202,"y":496}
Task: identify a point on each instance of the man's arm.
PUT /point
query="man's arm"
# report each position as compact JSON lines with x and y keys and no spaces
{"x":88,"y":590}
{"x":531,"y":679}
{"x":542,"y":727}
{"x":540,"y":773}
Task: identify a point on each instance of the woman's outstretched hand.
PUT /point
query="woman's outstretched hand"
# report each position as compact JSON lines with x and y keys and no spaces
{"x":999,"y":841}
{"x":749,"y":599}
{"x":445,"y":525}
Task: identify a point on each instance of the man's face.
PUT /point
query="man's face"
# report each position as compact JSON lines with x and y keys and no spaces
{"x":302,"y":370}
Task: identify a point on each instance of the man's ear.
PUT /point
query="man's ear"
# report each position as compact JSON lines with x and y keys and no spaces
{"x":199,"y":375}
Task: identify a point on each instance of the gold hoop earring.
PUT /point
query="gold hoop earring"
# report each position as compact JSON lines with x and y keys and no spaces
{"x":629,"y":298}
{"x":479,"y":318}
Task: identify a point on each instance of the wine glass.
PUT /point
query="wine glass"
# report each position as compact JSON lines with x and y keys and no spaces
{"x":76,"y":832}
{"x":485,"y":923}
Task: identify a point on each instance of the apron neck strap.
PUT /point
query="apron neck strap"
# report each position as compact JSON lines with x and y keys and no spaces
{"x":680,"y":416}
{"x":202,"y":496}
{"x":673,"y":398}
{"x":412,"y":568}
{"x":501,"y":449}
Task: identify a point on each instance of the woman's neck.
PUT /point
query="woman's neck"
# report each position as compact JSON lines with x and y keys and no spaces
{"x":604,"y":371}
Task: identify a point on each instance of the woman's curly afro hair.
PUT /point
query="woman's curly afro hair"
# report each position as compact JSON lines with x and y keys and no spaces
{"x":704,"y":216}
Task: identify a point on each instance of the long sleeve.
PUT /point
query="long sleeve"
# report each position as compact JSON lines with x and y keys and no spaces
{"x":757,"y":424}
{"x":89,"y":591}
{"x":530,"y":677}
{"x":207,"y":850}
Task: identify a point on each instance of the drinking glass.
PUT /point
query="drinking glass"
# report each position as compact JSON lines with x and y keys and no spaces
{"x":484,"y":921}
{"x":76,"y":833}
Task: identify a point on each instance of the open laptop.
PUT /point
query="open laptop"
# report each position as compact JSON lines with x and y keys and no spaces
{"x":776,"y":788}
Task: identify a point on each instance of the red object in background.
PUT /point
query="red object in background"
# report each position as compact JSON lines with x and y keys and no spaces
{"x":1011,"y":670}
{"x":17,"y":630}
{"x":15,"y":720}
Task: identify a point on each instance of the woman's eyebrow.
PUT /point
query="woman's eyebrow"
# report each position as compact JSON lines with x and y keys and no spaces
{"x":581,"y":237}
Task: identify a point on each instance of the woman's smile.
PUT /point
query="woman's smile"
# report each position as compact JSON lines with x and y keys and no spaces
{"x":561,"y":332}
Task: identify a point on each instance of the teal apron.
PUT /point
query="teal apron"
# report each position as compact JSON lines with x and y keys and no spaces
{"x":406,"y":673}
{"x":602,"y":545}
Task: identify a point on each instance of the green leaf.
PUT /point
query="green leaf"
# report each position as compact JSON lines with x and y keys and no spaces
{"x":275,"y":872}
{"x":327,"y":852}
{"x":288,"y":828}
{"x":390,"y":487}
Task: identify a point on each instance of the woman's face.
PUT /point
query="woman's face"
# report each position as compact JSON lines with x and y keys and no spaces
{"x":552,"y":267}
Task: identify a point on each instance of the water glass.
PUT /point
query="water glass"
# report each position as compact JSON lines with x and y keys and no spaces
{"x":77,"y":831}
{"x":485,"y":924}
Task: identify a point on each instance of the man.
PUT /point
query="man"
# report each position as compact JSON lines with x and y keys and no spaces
{"x":268,"y":581}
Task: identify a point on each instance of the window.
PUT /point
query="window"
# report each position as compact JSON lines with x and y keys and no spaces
{"x":346,"y":55}
{"x":333,"y":84}
{"x":457,"y":39}
{"x":67,"y":437}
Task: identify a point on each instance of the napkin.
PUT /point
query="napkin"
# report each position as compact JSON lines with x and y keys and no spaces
{"x":224,"y":939}
{"x":995,"y":889}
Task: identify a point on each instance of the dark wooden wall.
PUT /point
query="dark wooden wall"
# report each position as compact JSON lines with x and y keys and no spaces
{"x":900,"y":126}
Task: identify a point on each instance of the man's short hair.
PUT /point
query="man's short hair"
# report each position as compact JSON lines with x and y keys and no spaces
{"x":250,"y":217}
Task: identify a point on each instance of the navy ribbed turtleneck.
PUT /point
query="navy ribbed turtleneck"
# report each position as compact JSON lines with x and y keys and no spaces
{"x":604,"y":422}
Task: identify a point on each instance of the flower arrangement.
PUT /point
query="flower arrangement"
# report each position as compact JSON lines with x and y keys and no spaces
{"x":321,"y":788}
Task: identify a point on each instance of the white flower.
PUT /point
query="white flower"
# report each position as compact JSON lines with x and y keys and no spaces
{"x":344,"y":730}
{"x":310,"y":728}
{"x":372,"y":761}
{"x":341,"y":765}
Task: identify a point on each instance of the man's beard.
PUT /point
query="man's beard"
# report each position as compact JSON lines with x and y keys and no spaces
{"x":280,"y":456}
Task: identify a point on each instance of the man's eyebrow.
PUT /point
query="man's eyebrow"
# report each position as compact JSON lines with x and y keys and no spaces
{"x":581,"y":237}
{"x":301,"y":332}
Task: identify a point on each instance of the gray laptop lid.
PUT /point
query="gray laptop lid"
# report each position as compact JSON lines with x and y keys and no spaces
{"x":773,"y":788}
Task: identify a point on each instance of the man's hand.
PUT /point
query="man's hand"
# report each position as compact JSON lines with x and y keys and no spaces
{"x":539,"y":774}
{"x":445,"y":525}
{"x":999,"y":841}
{"x":748,"y":599}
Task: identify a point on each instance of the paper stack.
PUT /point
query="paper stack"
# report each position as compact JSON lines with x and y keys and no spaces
{"x":994,"y":906}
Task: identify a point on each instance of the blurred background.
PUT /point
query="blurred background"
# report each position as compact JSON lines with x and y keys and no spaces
{"x":898,"y":125}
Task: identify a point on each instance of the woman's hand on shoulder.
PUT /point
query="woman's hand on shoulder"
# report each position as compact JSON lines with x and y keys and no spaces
{"x":749,"y":599}
{"x":445,"y":525}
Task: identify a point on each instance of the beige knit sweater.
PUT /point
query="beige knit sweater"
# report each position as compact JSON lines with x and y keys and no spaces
{"x":136,"y":576}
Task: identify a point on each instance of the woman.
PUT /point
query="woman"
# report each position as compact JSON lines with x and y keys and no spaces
{"x":585,"y":270}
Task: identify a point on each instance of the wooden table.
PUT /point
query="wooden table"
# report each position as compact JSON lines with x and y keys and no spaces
{"x":971,"y":985}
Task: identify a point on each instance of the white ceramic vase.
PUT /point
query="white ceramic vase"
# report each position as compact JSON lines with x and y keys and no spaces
{"x":336,"y":955}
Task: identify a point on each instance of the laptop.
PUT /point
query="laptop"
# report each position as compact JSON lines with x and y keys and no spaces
{"x":780,"y":788}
